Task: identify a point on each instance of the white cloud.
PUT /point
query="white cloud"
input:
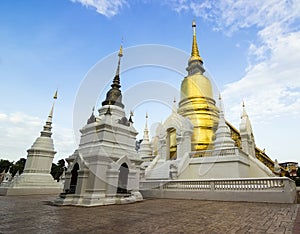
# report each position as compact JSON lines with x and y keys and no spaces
{"x":21,"y":118}
{"x":3,"y":116}
{"x":231,"y":15}
{"x":104,"y":7}
{"x":178,"y":5}
{"x":18,"y":131}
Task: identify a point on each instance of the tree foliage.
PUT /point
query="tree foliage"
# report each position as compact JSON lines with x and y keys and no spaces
{"x":18,"y":167}
{"x":14,"y":167}
{"x":5,"y":165}
{"x":58,"y":169}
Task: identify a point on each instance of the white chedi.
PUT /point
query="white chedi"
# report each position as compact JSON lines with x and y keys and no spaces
{"x":223,"y":135}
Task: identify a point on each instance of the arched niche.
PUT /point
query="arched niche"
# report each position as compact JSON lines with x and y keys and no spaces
{"x":74,"y":178}
{"x":123,"y":179}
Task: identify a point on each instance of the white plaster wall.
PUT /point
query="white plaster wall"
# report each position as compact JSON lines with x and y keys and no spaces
{"x":258,"y":169}
{"x":215,"y":170}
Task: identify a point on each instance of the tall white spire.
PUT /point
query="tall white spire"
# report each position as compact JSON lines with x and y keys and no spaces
{"x":146,"y":131}
{"x":223,"y":135}
{"x":244,"y":113}
{"x":245,"y":121}
{"x":36,"y":178}
{"x":247,"y":137}
{"x":145,"y":147}
{"x":47,"y":127}
{"x":42,"y":148}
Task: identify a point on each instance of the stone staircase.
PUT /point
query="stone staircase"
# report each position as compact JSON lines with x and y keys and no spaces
{"x":161,"y":171}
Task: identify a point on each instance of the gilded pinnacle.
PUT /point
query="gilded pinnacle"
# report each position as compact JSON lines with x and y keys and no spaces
{"x":120,"y":51}
{"x":195,"y":52}
{"x":119,"y":61}
{"x":55,"y":95}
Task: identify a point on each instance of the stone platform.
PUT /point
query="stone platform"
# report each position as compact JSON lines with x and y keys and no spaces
{"x":35,"y":214}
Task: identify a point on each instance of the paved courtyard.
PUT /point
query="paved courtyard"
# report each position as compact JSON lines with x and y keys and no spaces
{"x":35,"y":214}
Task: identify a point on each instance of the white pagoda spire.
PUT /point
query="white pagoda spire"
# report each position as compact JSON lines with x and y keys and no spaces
{"x":42,"y":151}
{"x":223,"y":136}
{"x":145,"y":147}
{"x":146,"y":131}
{"x":247,"y":137}
{"x":36,"y":178}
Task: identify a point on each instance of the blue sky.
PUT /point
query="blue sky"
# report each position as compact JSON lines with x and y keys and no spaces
{"x":251,"y":49}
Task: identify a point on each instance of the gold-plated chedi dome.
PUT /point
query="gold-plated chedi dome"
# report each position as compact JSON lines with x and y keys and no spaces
{"x":197,"y":101}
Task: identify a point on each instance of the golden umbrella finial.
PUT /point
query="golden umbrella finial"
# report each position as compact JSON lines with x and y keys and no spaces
{"x":195,"y":52}
{"x":55,"y":94}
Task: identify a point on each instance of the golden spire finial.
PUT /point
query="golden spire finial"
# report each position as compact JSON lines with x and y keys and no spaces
{"x":120,"y":51}
{"x":194,"y":27}
{"x":120,"y":54}
{"x":55,"y":94}
{"x":195,"y":52}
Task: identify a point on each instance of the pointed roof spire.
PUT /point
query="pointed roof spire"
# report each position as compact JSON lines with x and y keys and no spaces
{"x":55,"y":95}
{"x":120,"y":54}
{"x":244,"y":113}
{"x":195,"y":52}
{"x":174,"y":109}
{"x":223,"y":134}
{"x":146,"y":131}
{"x":47,"y":127}
{"x":92,"y":118}
{"x":221,"y":106}
{"x":145,"y":149}
{"x":114,"y":95}
{"x":245,"y":125}
{"x":195,"y":63}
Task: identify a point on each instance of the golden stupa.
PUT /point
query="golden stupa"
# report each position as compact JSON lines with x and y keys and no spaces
{"x":197,"y":101}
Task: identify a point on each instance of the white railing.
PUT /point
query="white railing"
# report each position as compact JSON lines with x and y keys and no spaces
{"x":276,"y":189}
{"x":277,"y":183}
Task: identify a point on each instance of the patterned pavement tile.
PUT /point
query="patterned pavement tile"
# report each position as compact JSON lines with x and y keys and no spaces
{"x":35,"y":214}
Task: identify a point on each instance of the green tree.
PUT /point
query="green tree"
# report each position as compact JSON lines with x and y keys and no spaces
{"x":58,"y":169}
{"x":5,"y":165}
{"x":18,"y":167}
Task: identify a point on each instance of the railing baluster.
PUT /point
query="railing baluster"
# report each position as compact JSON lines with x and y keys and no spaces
{"x":226,"y":184}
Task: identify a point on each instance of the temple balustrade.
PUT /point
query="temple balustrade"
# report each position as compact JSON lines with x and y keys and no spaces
{"x":277,"y":189}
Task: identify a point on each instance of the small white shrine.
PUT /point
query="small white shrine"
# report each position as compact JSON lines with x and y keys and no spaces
{"x":105,"y":169}
{"x":36,"y":178}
